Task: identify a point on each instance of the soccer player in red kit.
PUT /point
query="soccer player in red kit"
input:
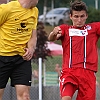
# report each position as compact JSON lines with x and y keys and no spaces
{"x":80,"y":57}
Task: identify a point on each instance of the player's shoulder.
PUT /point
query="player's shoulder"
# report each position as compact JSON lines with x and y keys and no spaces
{"x":9,"y":5}
{"x":3,"y":5}
{"x":66,"y":26}
{"x":35,"y":9}
{"x":94,"y":23}
{"x":13,"y":2}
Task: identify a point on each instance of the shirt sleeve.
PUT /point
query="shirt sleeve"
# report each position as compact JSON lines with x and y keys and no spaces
{"x":36,"y":18}
{"x":97,"y":27}
{"x":3,"y":13}
{"x":63,"y":28}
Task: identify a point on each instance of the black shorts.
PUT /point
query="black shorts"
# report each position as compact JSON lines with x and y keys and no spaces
{"x":15,"y":68}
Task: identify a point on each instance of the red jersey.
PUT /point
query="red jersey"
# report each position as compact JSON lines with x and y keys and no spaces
{"x":80,"y":51}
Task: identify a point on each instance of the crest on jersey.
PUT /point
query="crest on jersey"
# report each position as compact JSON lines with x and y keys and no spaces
{"x":88,"y":27}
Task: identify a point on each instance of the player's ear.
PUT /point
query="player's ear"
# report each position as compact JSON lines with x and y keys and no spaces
{"x":70,"y":15}
{"x":86,"y":16}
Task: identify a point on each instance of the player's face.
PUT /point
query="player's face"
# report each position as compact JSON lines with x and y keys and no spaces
{"x":78,"y":18}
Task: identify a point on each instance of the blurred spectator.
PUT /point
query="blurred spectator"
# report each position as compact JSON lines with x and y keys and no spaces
{"x":35,"y":74}
{"x":58,"y":69}
{"x":97,"y":83}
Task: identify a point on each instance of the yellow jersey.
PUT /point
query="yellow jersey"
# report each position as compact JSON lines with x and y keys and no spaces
{"x":16,"y":25}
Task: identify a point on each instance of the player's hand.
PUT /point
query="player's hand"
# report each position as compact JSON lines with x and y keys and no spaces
{"x":28,"y":54}
{"x":57,"y":30}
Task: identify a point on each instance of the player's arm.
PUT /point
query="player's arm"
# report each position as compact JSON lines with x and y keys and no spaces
{"x":31,"y":45}
{"x":33,"y":40}
{"x":55,"y":34}
{"x":97,"y":26}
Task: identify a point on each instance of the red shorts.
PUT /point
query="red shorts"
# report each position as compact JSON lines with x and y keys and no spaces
{"x":80,"y":79}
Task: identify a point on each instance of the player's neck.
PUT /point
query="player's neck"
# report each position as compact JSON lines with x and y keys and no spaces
{"x":24,"y":3}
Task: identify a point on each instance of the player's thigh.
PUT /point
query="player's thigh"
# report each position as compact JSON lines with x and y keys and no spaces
{"x":87,"y":87}
{"x":5,"y":72}
{"x":68,"y":91}
{"x":22,"y":74}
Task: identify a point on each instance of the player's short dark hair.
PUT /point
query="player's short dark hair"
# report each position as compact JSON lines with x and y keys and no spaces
{"x":77,"y":6}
